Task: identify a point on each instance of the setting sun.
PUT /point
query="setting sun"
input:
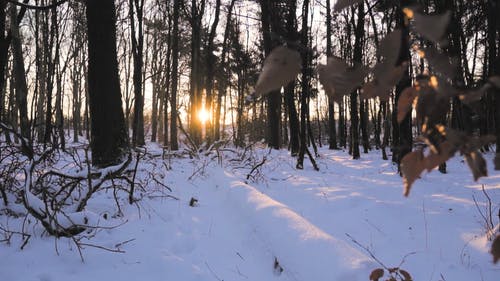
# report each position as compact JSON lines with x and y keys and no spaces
{"x":203,"y":115}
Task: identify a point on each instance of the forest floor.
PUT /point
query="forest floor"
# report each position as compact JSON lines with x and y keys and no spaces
{"x":272,"y":223}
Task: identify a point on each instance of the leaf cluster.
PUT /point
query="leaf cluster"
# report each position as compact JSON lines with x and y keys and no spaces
{"x":394,"y":274}
{"x":429,"y":95}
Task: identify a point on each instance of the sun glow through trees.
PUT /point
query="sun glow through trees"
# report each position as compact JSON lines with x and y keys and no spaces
{"x":203,"y":115}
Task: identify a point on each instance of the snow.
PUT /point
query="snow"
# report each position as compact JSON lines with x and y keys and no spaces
{"x":302,"y":219}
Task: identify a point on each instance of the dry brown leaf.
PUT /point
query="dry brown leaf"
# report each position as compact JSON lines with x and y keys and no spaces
{"x":389,"y":47}
{"x":477,"y":164}
{"x":405,"y":102}
{"x":412,"y":165}
{"x":394,"y":75}
{"x":475,"y":95}
{"x":280,"y":68}
{"x":376,"y":274}
{"x":386,"y":73}
{"x":495,"y":81}
{"x":342,"y":4}
{"x":338,"y":79}
{"x":495,"y":249}
{"x":434,"y":159}
{"x":440,"y":63}
{"x":432,"y":27}
{"x":323,"y":79}
{"x":369,"y":90}
{"x":473,"y":143}
{"x":385,"y":79}
{"x":455,"y":137}
{"x":406,"y":275}
{"x":431,"y":108}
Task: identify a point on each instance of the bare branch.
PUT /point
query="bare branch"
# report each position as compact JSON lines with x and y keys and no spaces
{"x":39,"y":8}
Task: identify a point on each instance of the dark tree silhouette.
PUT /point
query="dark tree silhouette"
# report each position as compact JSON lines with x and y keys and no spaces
{"x":109,"y":136}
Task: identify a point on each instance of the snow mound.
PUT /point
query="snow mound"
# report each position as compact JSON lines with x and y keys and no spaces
{"x":303,"y":250}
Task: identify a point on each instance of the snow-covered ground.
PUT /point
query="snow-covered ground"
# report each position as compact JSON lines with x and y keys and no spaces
{"x":280,"y":224}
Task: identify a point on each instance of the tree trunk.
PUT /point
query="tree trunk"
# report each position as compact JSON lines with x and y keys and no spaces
{"x":493,"y":31}
{"x":363,"y":112}
{"x":210,"y":63}
{"x":155,"y":99}
{"x":305,"y":90}
{"x":273,"y":98}
{"x":168,"y":79}
{"x":332,"y":131}
{"x":109,"y":135}
{"x":175,"y":62}
{"x":359,"y":34}
{"x":404,"y":141}
{"x":195,"y":91}
{"x":19,"y":75}
{"x":293,"y":119}
{"x":137,"y":52}
{"x":4,"y":51}
{"x":49,"y":41}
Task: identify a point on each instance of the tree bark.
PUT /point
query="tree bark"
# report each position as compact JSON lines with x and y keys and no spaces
{"x":137,"y":52}
{"x":273,"y":98}
{"x":210,"y":61}
{"x":19,"y":73}
{"x":359,"y":34}
{"x":109,"y":136}
{"x":175,"y":62}
{"x":332,"y":130}
{"x":403,"y":138}
{"x":195,"y":91}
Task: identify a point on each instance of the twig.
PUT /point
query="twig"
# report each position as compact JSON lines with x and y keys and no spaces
{"x":102,"y":248}
{"x":160,"y":183}
{"x":425,"y":226}
{"x":124,"y":242}
{"x":368,"y":251}
{"x":490,"y":211}
{"x":256,"y":167}
{"x":215,"y":275}
{"x":403,"y":260}
{"x":132,"y":184}
{"x":194,"y":147}
{"x":313,"y":162}
{"x":488,"y":224}
{"x":163,"y":196}
{"x":26,"y":147}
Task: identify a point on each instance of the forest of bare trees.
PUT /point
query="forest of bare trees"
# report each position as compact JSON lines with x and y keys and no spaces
{"x":393,"y":76}
{"x":174,"y":59}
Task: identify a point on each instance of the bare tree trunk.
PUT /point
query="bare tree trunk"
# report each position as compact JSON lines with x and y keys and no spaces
{"x":332,"y":130}
{"x":222,"y":83}
{"x":4,"y":51}
{"x":175,"y":61}
{"x":210,"y":61}
{"x":306,"y":90}
{"x":19,"y":73}
{"x":363,"y":112}
{"x":49,"y":39}
{"x":358,"y":58}
{"x":168,"y":80}
{"x":109,"y":135}
{"x":155,"y":78}
{"x":76,"y":75}
{"x":402,"y":136}
{"x":273,"y":98}
{"x":195,"y":93}
{"x":137,"y":52}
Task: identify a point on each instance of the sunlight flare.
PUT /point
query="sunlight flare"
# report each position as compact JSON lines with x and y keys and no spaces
{"x":203,"y":115}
